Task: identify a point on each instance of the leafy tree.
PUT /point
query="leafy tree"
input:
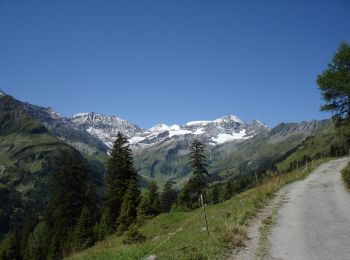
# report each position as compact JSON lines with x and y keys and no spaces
{"x":334,"y":84}
{"x":168,"y":197}
{"x":120,"y":172}
{"x":128,"y":212}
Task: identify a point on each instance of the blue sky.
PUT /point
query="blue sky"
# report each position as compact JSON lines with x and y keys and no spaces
{"x":171,"y":61}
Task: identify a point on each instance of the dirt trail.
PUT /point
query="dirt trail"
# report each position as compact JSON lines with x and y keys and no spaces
{"x":312,"y":220}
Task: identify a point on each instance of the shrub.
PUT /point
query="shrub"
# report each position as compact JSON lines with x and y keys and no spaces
{"x":133,"y":236}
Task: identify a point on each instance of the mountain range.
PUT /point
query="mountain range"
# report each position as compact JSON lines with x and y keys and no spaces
{"x":161,"y":152}
{"x":34,"y":138}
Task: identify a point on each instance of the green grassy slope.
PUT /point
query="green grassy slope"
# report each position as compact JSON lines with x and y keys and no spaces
{"x":180,"y":235}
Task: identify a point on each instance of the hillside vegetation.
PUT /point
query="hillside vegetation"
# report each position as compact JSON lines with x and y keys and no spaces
{"x":29,"y":155}
{"x":180,"y":235}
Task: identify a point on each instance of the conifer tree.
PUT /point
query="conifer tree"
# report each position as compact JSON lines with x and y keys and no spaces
{"x":168,"y":197}
{"x":37,"y":246}
{"x":228,"y":189}
{"x":29,"y":223}
{"x":128,"y":212}
{"x":83,"y":232}
{"x":120,"y":172}
{"x":105,"y":226}
{"x":215,"y":194}
{"x":69,"y":195}
{"x":150,"y":203}
{"x":195,"y":186}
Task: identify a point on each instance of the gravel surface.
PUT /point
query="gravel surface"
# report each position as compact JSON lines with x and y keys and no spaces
{"x":314,"y":222}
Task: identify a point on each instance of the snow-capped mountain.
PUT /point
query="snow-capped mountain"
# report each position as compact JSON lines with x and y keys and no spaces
{"x":229,"y":128}
{"x":105,"y":127}
{"x":162,"y":151}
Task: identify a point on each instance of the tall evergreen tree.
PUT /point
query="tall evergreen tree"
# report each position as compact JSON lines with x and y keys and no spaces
{"x":215,"y":194}
{"x":229,"y":189}
{"x":196,"y":184}
{"x":37,"y":245}
{"x":83,"y":236}
{"x":198,"y":164}
{"x":168,"y":197}
{"x":150,"y":203}
{"x":128,"y":212}
{"x":120,"y":172}
{"x":105,"y":227}
{"x":69,"y":195}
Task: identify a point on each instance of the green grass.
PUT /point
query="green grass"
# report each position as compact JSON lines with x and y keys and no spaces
{"x":226,"y":220}
{"x":346,"y":176}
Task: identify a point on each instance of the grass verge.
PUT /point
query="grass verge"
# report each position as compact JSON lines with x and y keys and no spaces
{"x":226,"y":221}
{"x":346,"y":176}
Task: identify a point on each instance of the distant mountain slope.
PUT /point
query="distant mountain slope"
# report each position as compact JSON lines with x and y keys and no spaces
{"x":103,"y":127}
{"x":169,"y":160}
{"x":29,"y":155}
{"x":263,"y":151}
{"x":66,"y":130}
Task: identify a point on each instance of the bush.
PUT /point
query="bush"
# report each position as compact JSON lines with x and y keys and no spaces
{"x":346,"y":175}
{"x":133,"y":236}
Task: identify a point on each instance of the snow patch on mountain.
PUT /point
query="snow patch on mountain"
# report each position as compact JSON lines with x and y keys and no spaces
{"x":202,"y":122}
{"x":224,"y":137}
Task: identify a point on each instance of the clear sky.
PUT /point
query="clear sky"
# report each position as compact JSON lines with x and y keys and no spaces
{"x":171,"y":61}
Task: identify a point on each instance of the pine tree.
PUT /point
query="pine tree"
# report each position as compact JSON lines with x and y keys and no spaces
{"x":150,"y":203}
{"x":128,"y":211}
{"x":120,"y":172}
{"x":198,"y":160}
{"x":83,"y":232}
{"x":105,"y":227}
{"x":37,"y":243}
{"x":168,"y":197}
{"x":10,"y":247}
{"x":69,"y":195}
{"x":195,"y":186}
{"x":215,"y":194}
{"x":29,"y":223}
{"x":229,"y":189}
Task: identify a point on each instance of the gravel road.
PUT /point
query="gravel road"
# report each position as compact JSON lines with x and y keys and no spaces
{"x":314,"y":222}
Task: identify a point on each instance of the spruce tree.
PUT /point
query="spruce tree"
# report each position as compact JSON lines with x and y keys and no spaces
{"x":105,"y":227}
{"x":128,"y":211}
{"x":168,"y":197}
{"x":37,"y":246}
{"x":198,"y":159}
{"x":215,"y":194}
{"x":120,"y":172}
{"x":83,"y":233}
{"x":150,"y":204}
{"x":228,"y":189}
{"x":69,"y":195}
